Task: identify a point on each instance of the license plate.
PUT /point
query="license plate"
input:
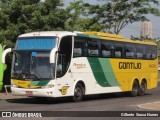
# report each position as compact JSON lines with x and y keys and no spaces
{"x":29,"y":92}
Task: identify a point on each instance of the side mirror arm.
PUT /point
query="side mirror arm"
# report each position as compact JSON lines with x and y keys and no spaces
{"x":53,"y":55}
{"x":5,"y":52}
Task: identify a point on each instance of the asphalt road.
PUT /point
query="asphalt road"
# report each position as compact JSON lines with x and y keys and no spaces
{"x":108,"y":102}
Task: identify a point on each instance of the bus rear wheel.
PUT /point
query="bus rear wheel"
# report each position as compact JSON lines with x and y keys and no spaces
{"x":142,"y":88}
{"x":135,"y":89}
{"x":78,"y":93}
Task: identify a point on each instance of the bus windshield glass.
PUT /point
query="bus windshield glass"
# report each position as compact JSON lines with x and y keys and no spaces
{"x":32,"y":65}
{"x":31,"y":59}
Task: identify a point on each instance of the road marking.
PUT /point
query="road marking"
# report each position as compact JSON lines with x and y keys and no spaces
{"x":151,"y":105}
{"x":150,"y":108}
{"x":143,"y":103}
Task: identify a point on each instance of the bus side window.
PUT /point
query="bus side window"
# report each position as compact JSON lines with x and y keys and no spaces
{"x":148,"y":52}
{"x":130,"y":53}
{"x":140,"y":51}
{"x":118,"y":50}
{"x":106,"y":49}
{"x":80,"y":46}
{"x":94,"y":48}
{"x":153,"y":52}
{"x":77,"y":52}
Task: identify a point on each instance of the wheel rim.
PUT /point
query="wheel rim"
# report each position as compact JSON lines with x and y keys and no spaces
{"x":143,"y":87}
{"x":78,"y":93}
{"x":135,"y":89}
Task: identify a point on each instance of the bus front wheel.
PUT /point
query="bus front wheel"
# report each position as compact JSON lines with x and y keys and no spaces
{"x":78,"y":93}
{"x":135,"y":89}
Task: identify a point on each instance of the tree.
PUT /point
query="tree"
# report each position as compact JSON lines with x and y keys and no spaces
{"x":15,"y":15}
{"x":141,"y":38}
{"x":49,"y":15}
{"x":116,"y":14}
{"x":78,"y":20}
{"x":21,"y":16}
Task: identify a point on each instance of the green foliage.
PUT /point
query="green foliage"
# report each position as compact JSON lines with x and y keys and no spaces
{"x":141,"y":38}
{"x":157,"y":40}
{"x":21,"y":16}
{"x":116,"y":14}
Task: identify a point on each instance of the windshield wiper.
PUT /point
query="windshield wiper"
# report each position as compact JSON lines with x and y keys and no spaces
{"x":23,"y":75}
{"x":35,"y":75}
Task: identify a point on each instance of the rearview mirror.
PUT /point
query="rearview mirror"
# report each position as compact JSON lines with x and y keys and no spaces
{"x":8,"y":50}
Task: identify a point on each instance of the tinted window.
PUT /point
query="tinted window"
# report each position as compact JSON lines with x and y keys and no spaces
{"x":151,"y":52}
{"x":94,"y":48}
{"x":36,"y":43}
{"x":118,"y":50}
{"x":84,"y":47}
{"x":148,"y":52}
{"x":154,"y":52}
{"x":130,"y":51}
{"x":107,"y":49}
{"x":80,"y":47}
{"x":140,"y":51}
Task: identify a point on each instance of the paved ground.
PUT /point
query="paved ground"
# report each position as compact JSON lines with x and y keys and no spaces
{"x":4,"y":96}
{"x":149,"y":102}
{"x":150,"y":106}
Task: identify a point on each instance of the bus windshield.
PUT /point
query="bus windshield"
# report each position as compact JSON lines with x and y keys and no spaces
{"x":32,"y":65}
{"x":31,"y":58}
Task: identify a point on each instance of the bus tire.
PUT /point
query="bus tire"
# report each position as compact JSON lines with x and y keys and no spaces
{"x":78,"y":93}
{"x":135,"y":89}
{"x":142,"y":88}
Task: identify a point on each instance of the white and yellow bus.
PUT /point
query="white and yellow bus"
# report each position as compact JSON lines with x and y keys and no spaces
{"x":60,"y":64}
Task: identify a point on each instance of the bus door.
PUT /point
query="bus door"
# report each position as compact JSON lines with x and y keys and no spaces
{"x":63,"y":75}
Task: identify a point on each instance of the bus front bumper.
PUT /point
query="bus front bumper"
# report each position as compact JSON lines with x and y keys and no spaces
{"x":49,"y":92}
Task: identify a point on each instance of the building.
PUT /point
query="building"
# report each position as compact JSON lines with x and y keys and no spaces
{"x":146,"y":29}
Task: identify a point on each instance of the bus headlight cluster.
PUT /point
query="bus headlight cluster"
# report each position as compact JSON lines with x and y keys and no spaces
{"x":48,"y":86}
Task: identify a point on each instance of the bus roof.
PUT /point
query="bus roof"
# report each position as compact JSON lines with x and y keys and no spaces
{"x":100,"y":35}
{"x":48,"y":33}
{"x":107,"y":36}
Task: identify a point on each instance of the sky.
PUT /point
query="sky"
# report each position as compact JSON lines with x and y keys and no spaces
{"x":134,"y":28}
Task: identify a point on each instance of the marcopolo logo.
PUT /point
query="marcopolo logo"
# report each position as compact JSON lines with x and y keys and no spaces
{"x":130,"y":65}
